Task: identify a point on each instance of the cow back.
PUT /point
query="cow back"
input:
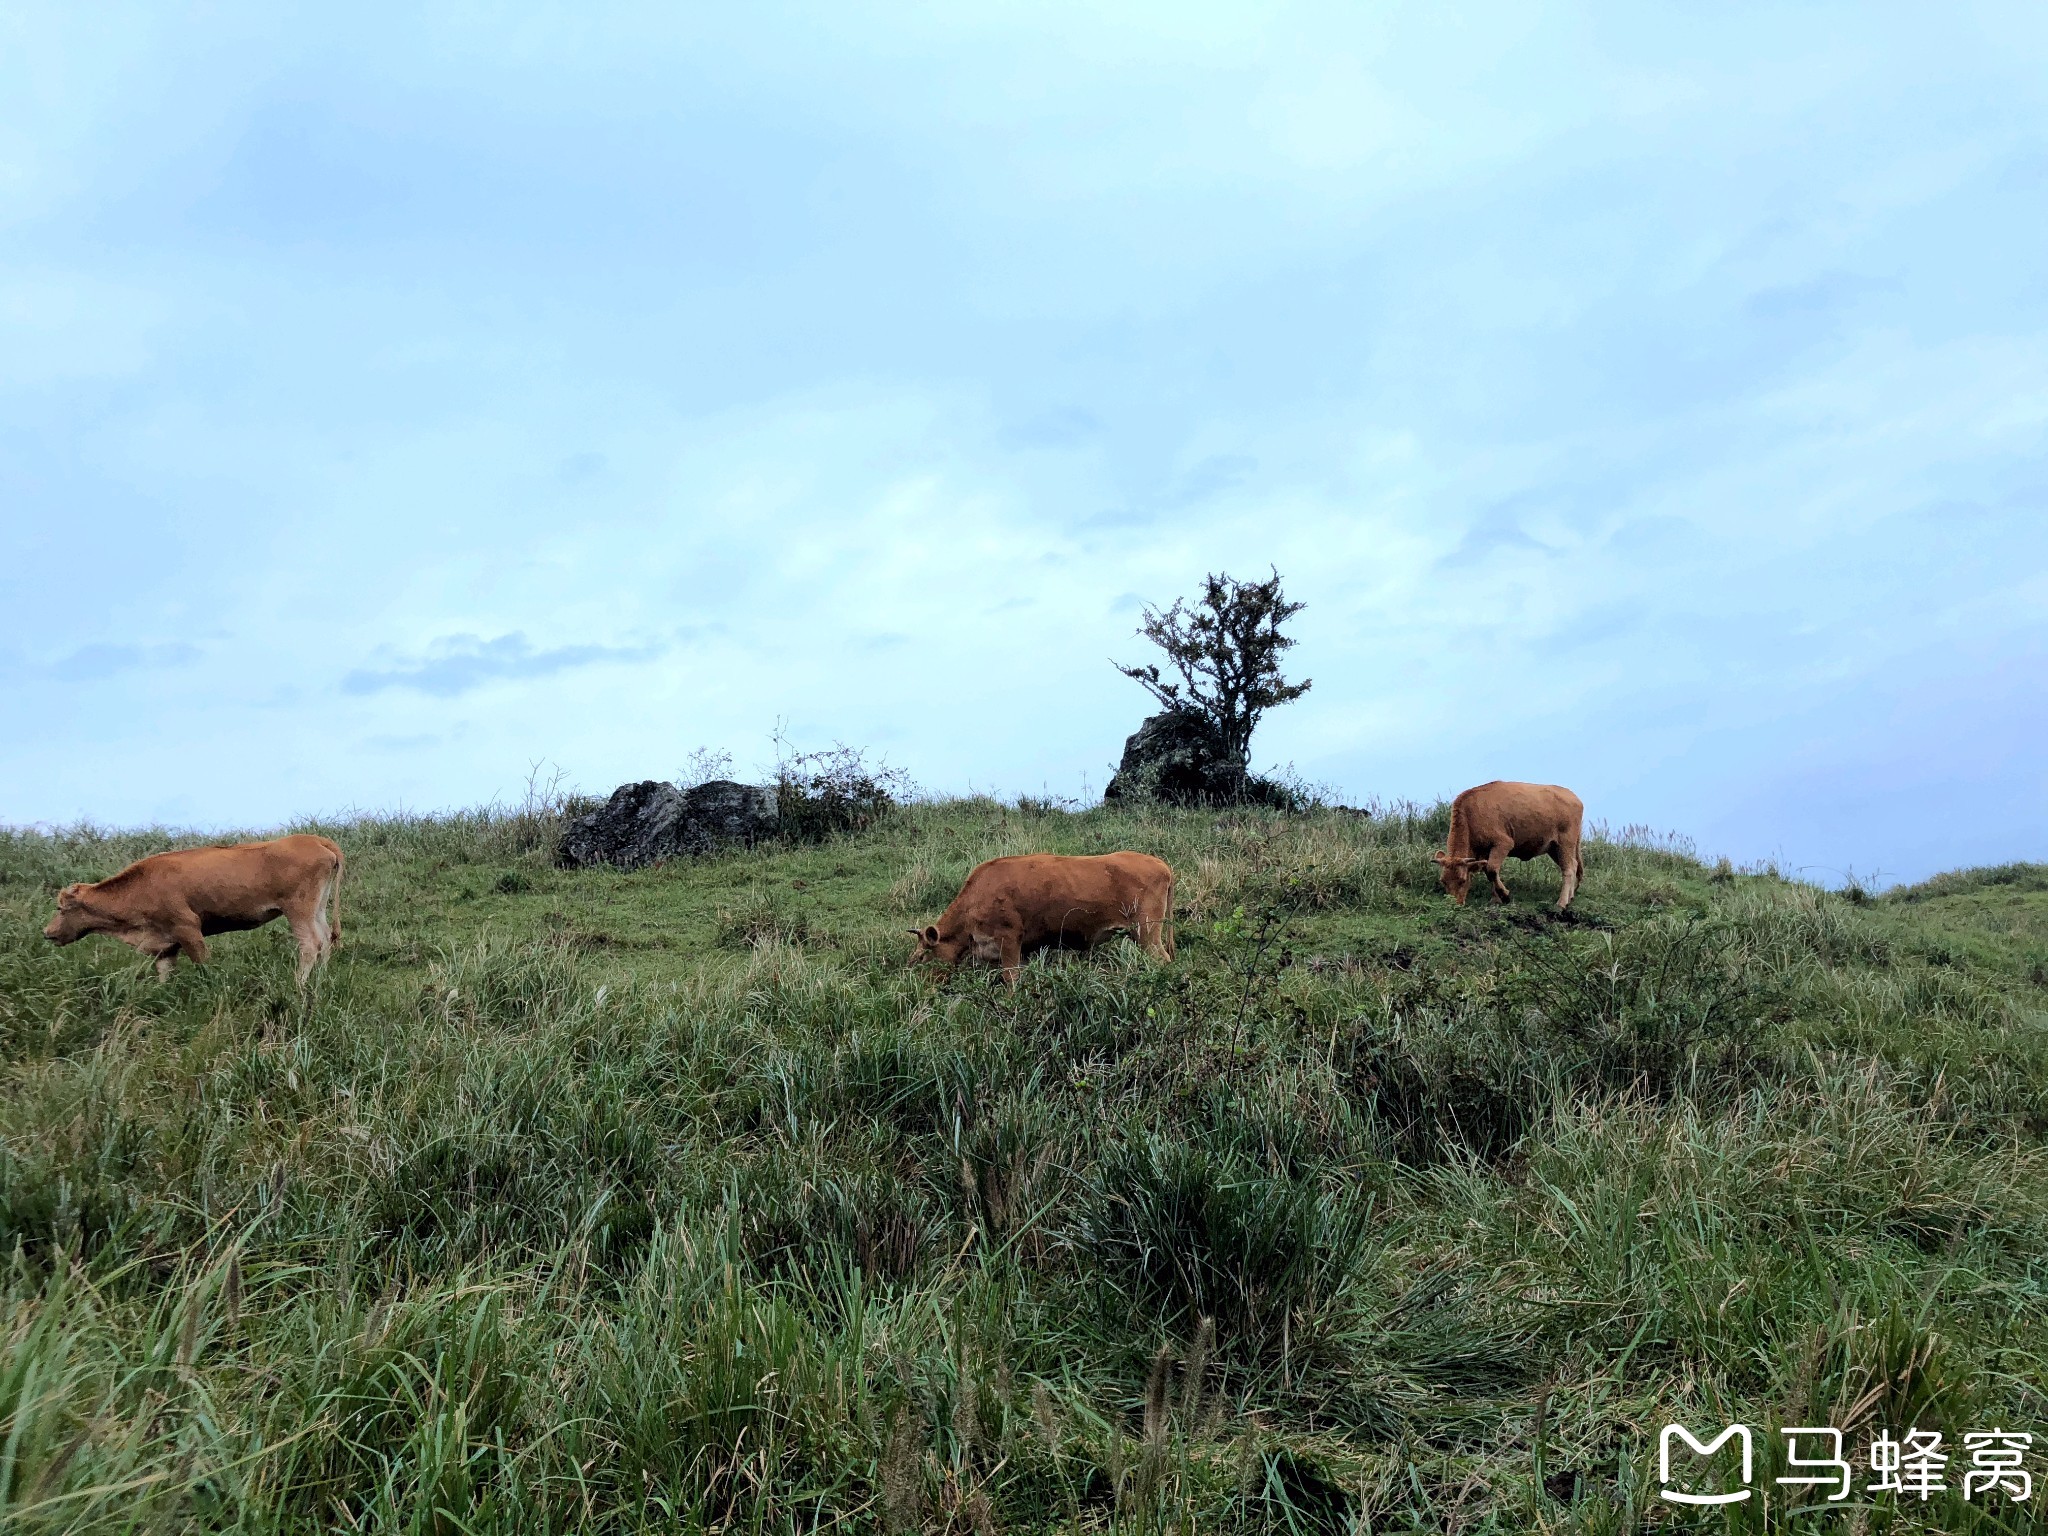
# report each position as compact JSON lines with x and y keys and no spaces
{"x":236,"y":886}
{"x":1521,"y":815}
{"x":1048,"y":897}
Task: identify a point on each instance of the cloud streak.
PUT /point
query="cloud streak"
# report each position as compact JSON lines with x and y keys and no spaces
{"x":460,"y":664}
{"x":103,"y":660}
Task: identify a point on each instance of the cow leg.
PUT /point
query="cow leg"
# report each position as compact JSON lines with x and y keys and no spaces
{"x":312,"y":936}
{"x":1149,"y":939}
{"x":1566,"y":851}
{"x":1157,"y":935}
{"x":322,"y":914}
{"x":1494,"y":860}
{"x":1012,"y":954}
{"x":1137,"y":922}
{"x":165,"y":944}
{"x":310,"y":927}
{"x":185,"y":937}
{"x":331,"y":892}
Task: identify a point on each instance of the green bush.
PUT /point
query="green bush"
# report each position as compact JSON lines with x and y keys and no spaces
{"x":835,"y":793}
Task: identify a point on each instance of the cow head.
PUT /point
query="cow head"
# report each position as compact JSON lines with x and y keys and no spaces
{"x":1455,"y":874}
{"x":930,"y":947}
{"x":74,"y":919}
{"x":951,"y":951}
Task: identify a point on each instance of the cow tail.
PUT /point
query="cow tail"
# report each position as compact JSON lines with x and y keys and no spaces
{"x":340,"y":864}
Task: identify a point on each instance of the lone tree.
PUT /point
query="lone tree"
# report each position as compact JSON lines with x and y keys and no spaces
{"x":1226,"y":647}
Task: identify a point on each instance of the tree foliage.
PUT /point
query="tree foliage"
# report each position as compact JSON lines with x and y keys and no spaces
{"x":1226,"y":647}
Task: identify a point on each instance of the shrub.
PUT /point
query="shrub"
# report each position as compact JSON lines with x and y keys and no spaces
{"x":819,"y":795}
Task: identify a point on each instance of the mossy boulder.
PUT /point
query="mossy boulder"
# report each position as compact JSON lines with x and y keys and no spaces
{"x":649,"y":822}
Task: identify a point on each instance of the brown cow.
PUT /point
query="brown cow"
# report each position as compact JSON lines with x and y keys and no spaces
{"x":1527,"y":820}
{"x":166,"y":904}
{"x":1009,"y":908}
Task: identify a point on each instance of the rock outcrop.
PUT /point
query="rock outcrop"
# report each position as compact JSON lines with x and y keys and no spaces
{"x":648,"y":822}
{"x":1179,"y":757}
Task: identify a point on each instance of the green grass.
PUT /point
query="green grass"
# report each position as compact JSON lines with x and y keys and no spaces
{"x":672,"y":1201}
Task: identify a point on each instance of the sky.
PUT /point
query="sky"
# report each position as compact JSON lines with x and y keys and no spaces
{"x":1647,"y":399}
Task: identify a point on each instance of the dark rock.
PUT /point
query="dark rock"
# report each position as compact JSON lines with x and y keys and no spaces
{"x":1179,"y":757}
{"x":648,"y":822}
{"x":636,"y":826}
{"x":722,"y":813}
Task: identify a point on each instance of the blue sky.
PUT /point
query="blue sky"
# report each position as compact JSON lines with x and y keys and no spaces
{"x":1649,"y":399}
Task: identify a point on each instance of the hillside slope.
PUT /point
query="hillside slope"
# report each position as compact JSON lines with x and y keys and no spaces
{"x":608,"y":1201}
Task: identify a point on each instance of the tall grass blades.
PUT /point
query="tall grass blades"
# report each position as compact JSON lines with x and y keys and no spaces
{"x":673,"y":1199}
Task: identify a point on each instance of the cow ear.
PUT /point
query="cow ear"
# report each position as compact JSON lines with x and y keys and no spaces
{"x":930,"y":934}
{"x":1440,"y":856}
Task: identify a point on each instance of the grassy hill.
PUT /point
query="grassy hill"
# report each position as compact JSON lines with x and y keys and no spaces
{"x":670,"y":1200}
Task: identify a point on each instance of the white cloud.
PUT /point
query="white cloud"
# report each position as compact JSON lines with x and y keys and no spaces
{"x":1624,"y":393}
